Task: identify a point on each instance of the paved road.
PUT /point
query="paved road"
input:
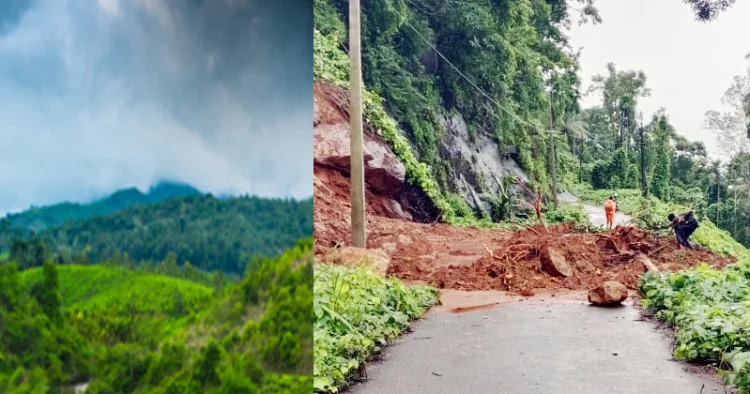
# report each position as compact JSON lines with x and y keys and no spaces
{"x":533,"y":347}
{"x":595,"y":213}
{"x":597,"y":217}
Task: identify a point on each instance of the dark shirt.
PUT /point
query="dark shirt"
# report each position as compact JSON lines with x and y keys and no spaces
{"x":686,"y":223}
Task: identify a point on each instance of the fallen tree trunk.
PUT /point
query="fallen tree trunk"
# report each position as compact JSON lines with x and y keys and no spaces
{"x":647,"y":263}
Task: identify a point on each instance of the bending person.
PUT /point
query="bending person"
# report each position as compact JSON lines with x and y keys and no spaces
{"x":684,"y":226}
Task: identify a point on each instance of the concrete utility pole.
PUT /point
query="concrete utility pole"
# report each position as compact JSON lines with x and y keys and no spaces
{"x":355,"y":118}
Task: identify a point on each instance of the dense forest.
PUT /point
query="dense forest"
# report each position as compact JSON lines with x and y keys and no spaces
{"x":125,"y":331}
{"x":200,"y":231}
{"x":40,"y":218}
{"x":508,"y":69}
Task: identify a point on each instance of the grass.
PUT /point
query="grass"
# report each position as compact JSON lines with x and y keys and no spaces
{"x":357,"y":313}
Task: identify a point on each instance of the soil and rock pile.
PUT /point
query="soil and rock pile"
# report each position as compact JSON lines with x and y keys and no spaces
{"x":558,"y":258}
{"x":401,"y":226}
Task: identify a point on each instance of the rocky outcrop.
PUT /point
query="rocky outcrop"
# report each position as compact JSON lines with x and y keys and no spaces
{"x":479,"y":164}
{"x":608,"y":293}
{"x":384,"y":172}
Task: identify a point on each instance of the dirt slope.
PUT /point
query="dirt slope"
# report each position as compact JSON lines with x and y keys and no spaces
{"x":469,"y":258}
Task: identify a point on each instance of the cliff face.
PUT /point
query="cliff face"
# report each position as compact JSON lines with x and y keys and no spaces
{"x":477,"y":165}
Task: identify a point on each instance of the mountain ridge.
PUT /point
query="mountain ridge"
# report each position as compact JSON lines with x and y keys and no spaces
{"x":40,"y":218}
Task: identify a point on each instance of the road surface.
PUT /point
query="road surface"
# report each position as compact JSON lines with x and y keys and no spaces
{"x":595,"y":213}
{"x":534,"y":346}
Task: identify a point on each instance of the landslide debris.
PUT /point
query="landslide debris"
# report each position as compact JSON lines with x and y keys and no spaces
{"x":560,"y":258}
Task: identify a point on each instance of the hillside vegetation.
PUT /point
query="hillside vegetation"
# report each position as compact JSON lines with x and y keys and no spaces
{"x":209,"y":233}
{"x":139,"y":332}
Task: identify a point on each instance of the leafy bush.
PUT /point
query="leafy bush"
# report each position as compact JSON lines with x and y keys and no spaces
{"x":710,"y":310}
{"x":356,"y":314}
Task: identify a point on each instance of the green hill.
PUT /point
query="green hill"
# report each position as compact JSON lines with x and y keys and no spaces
{"x":40,"y":218}
{"x":129,"y":331}
{"x":210,"y":233}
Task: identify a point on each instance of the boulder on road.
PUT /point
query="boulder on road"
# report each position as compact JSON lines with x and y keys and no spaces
{"x":375,"y":260}
{"x":608,"y":293}
{"x":555,"y":263}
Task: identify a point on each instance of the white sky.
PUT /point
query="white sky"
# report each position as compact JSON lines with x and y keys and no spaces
{"x":689,"y":64}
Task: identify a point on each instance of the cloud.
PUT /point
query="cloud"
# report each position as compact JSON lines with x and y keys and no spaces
{"x":97,"y":95}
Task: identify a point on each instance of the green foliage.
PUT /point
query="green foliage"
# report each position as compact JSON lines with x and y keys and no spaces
{"x":210,"y":233}
{"x":614,"y":173}
{"x":661,"y":177}
{"x":356,"y":314}
{"x":709,"y":309}
{"x":561,"y":215}
{"x":459,"y":206}
{"x":139,"y":332}
{"x":83,"y":287}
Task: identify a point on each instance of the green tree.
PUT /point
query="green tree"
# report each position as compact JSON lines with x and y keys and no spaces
{"x":206,"y":367}
{"x":178,"y":302}
{"x":661,"y":177}
{"x":730,"y":126}
{"x":620,"y":92}
{"x":49,"y":297}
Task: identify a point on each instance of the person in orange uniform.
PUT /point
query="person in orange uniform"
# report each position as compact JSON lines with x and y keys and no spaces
{"x":610,"y":208}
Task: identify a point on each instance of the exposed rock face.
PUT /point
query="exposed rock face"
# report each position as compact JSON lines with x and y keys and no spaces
{"x":608,"y":293}
{"x":385,"y":175}
{"x":375,"y":260}
{"x":480,"y":166}
{"x":384,"y":172}
{"x":555,"y":263}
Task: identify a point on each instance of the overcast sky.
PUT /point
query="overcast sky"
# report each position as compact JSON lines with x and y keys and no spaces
{"x":689,"y":64}
{"x":100,"y":95}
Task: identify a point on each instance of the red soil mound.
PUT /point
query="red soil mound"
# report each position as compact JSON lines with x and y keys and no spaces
{"x":515,"y":264}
